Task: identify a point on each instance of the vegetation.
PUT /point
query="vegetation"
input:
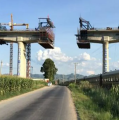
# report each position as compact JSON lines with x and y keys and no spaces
{"x":59,"y":76}
{"x":95,"y":103}
{"x":12,"y":86}
{"x":49,"y":69}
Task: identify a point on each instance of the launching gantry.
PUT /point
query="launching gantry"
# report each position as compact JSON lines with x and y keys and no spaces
{"x":88,"y":34}
{"x":43,"y":35}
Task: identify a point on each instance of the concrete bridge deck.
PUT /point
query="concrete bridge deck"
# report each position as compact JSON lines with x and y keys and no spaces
{"x":32,"y":36}
{"x":102,"y":35}
{"x":20,"y":36}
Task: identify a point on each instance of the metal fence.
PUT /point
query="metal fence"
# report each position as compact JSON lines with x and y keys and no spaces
{"x":106,"y":79}
{"x":107,"y":28}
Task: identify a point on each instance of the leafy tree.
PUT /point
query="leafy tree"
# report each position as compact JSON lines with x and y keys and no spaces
{"x":49,"y":69}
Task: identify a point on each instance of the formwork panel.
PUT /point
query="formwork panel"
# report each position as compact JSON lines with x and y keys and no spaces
{"x":46,"y":45}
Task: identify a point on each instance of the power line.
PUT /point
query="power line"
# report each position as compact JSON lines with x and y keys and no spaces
{"x":101,"y":50}
{"x":63,"y":78}
{"x":96,"y":50}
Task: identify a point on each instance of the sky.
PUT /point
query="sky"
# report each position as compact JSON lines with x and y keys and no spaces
{"x":65,"y":16}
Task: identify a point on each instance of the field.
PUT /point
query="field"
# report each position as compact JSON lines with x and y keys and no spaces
{"x":12,"y":86}
{"x":95,"y":103}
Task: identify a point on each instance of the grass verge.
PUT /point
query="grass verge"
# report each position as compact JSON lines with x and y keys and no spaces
{"x":13,"y":86}
{"x":91,"y":105}
{"x":16,"y":93}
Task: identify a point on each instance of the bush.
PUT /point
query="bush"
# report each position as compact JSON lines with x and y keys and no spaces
{"x":107,"y":100}
{"x":72,"y":85}
{"x":10,"y":84}
{"x":104,"y":98}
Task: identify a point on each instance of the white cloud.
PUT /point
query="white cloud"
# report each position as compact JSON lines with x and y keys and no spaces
{"x":57,"y":55}
{"x":79,"y":71}
{"x":54,"y":54}
{"x":87,"y":65}
{"x":114,"y":65}
{"x":5,"y":64}
{"x":83,"y":56}
{"x":83,"y":64}
{"x":39,"y":55}
{"x":93,"y":59}
{"x":90,"y":72}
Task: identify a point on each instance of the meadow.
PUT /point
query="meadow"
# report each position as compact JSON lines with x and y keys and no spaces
{"x":94,"y":102}
{"x":12,"y":86}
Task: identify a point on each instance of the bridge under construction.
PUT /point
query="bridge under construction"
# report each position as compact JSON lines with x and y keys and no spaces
{"x":88,"y":34}
{"x":43,"y":35}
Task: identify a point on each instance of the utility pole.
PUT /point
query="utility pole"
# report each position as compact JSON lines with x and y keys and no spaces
{"x":31,"y":71}
{"x":75,"y":71}
{"x":63,"y":78}
{"x":55,"y":78}
{"x":1,"y":68}
{"x":11,"y":50}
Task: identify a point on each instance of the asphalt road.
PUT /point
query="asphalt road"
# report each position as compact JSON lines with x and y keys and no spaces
{"x":49,"y":103}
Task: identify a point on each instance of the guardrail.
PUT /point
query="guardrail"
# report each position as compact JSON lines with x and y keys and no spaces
{"x":20,"y":30}
{"x":107,"y":28}
{"x":106,"y":79}
{"x":50,"y":30}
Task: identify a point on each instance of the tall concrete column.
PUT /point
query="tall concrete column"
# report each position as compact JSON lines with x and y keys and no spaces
{"x":21,"y":63}
{"x":105,"y":67}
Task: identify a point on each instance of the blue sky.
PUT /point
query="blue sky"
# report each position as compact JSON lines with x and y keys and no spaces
{"x":65,"y":16}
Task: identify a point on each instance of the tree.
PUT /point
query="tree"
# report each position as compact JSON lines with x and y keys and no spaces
{"x":49,"y":69}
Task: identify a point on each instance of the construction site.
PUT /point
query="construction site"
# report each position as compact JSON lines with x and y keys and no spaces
{"x":43,"y":35}
{"x":105,"y":36}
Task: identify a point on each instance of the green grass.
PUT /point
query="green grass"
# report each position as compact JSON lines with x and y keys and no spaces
{"x":95,"y":103}
{"x":13,"y":86}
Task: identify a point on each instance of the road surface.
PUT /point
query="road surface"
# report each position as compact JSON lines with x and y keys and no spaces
{"x":49,"y":103}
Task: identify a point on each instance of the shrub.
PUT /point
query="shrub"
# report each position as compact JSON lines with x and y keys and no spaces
{"x":10,"y":84}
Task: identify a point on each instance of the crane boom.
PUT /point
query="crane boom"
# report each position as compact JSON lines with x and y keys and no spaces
{"x":11,"y":24}
{"x":24,"y":24}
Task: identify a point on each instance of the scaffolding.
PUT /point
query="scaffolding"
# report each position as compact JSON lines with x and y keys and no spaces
{"x":47,"y":37}
{"x":28,"y":60}
{"x":81,"y":35}
{"x":11,"y":59}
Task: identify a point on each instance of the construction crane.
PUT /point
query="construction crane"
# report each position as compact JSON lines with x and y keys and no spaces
{"x":11,"y":24}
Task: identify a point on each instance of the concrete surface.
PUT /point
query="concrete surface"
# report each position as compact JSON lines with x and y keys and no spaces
{"x":48,"y":103}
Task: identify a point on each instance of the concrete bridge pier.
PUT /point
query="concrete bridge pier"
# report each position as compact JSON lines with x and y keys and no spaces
{"x":21,"y":63}
{"x":105,"y":54}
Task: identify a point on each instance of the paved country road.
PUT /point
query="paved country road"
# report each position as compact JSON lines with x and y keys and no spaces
{"x":49,"y":103}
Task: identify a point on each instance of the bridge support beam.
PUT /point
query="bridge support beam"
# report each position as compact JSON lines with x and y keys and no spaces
{"x":105,"y":67}
{"x":21,"y":63}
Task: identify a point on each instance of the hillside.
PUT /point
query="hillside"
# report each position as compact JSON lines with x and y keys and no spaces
{"x":59,"y":76}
